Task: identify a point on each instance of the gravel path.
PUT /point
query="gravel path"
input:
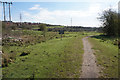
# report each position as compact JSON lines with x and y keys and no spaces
{"x":89,"y":67}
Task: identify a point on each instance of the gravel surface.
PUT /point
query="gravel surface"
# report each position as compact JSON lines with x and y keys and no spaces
{"x":89,"y":67}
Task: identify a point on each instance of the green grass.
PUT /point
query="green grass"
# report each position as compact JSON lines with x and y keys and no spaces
{"x":51,"y":59}
{"x":90,"y":33}
{"x":107,"y":57}
{"x":55,"y":26}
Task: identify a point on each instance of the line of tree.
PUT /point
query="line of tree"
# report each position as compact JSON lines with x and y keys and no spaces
{"x":110,"y":22}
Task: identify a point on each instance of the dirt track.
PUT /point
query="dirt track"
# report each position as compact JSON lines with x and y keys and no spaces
{"x":89,"y":67}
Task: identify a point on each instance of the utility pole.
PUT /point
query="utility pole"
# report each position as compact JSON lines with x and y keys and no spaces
{"x":71,"y":22}
{"x":4,"y":10}
{"x":20,"y":17}
{"x":9,"y":11}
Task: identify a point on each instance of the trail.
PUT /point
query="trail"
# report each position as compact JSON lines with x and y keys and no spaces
{"x":89,"y":67}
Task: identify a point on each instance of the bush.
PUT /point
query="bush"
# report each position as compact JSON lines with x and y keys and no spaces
{"x":7,"y":58}
{"x":42,"y":27}
{"x":109,"y":20}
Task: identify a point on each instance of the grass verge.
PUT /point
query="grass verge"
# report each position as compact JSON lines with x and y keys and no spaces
{"x":107,"y":57}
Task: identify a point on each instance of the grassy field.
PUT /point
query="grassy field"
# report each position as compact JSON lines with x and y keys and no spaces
{"x":51,"y":59}
{"x":107,"y":56}
{"x":56,"y":58}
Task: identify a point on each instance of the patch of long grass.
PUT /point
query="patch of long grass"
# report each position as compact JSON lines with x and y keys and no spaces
{"x":107,"y":57}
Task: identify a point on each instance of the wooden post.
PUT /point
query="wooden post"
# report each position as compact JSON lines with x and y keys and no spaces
{"x":9,"y":12}
{"x":4,"y":11}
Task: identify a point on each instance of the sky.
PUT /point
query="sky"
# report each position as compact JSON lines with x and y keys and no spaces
{"x":82,"y":13}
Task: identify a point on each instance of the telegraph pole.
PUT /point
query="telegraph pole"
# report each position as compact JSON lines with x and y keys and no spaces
{"x":71,"y":22}
{"x":4,"y":10}
{"x":9,"y":11}
{"x":20,"y":17}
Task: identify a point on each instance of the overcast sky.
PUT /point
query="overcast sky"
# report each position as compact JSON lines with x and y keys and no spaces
{"x":83,"y":13}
